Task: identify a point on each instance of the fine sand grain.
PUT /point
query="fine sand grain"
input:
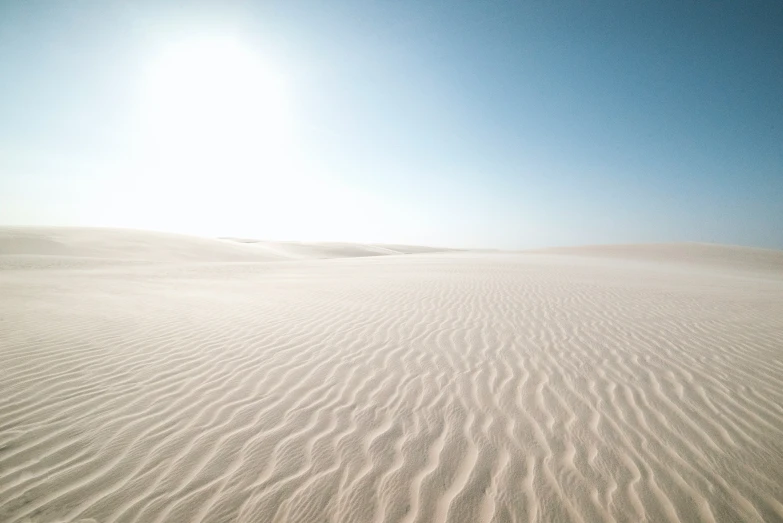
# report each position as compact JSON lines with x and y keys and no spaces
{"x":148,"y":377}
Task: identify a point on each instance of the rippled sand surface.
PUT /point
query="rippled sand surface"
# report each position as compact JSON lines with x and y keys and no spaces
{"x":636,"y":383}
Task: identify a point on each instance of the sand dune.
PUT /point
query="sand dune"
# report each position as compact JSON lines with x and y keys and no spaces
{"x":315,"y":251}
{"x":71,"y":244}
{"x":703,"y":255}
{"x":451,"y":386}
{"x":122,"y":244}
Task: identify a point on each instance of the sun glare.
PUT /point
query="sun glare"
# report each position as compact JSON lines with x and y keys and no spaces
{"x":214,"y":100}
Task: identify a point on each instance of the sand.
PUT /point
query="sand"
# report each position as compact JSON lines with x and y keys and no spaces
{"x":147,"y":377}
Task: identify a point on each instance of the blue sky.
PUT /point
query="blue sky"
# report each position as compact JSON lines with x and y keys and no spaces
{"x":487,"y":124}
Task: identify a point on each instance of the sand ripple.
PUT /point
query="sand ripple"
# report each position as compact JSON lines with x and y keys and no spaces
{"x":419,"y":388}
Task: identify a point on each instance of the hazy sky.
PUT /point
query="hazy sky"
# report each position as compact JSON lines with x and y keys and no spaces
{"x":490,"y":124}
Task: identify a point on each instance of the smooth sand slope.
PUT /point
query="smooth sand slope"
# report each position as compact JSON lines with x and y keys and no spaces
{"x":192,"y":382}
{"x":70,"y":246}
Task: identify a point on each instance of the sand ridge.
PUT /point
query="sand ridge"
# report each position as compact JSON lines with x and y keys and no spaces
{"x":442,"y":386}
{"x":73,"y":244}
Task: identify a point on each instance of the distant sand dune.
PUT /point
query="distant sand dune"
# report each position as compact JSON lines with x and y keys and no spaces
{"x":136,"y":245}
{"x":303,"y":250}
{"x":165,"y":384}
{"x":701,"y":254}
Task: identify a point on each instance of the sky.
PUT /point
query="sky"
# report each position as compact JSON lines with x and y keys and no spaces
{"x":497,"y":124}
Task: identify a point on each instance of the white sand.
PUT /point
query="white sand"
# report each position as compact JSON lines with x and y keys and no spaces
{"x":147,"y":377}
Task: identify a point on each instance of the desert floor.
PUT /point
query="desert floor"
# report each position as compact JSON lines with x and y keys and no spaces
{"x":148,"y":377}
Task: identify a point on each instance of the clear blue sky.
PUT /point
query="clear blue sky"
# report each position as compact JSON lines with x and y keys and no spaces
{"x":487,"y":124}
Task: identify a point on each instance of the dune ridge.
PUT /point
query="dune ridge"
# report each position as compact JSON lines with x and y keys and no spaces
{"x":72,"y":244}
{"x":440,"y":386}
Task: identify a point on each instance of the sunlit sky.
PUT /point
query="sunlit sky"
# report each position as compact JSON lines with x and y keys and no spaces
{"x":468,"y":124}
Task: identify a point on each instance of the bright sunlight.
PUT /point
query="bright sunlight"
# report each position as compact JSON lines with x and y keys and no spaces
{"x":213,"y":114}
{"x":214,"y":100}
